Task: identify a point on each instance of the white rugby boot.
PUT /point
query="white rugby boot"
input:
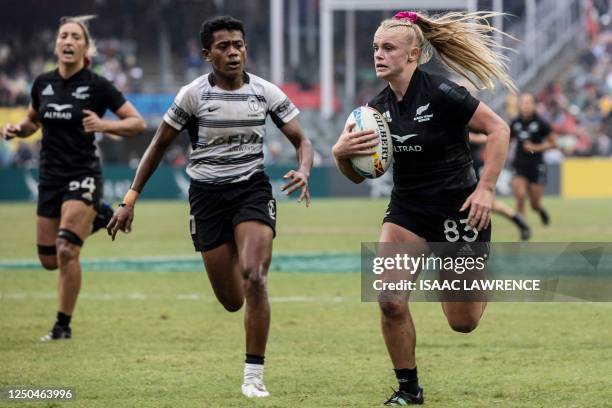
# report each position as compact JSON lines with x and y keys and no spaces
{"x":253,"y":385}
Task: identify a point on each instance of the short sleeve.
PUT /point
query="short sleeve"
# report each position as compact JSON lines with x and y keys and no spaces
{"x":113,"y":98}
{"x":35,"y":95}
{"x":280,"y":107}
{"x":183,"y":107}
{"x":455,"y":103}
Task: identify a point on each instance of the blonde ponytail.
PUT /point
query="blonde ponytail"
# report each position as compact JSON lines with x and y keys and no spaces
{"x":463,"y":41}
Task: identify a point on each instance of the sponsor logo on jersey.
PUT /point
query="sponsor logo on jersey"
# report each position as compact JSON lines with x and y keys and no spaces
{"x":403,"y":149}
{"x":409,"y":148}
{"x":59,"y":107}
{"x":48,"y":91}
{"x":387,"y":116}
{"x":239,"y":139}
{"x":213,"y":108}
{"x":58,"y":112}
{"x":80,"y":92}
{"x":419,"y":117}
{"x":402,"y":139}
{"x":534,"y":127}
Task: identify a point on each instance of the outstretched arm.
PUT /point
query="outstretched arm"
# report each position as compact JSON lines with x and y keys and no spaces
{"x":303,"y":147}
{"x":124,"y":215}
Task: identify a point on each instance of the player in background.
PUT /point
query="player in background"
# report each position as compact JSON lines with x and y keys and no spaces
{"x":533,"y":137}
{"x":436,"y":196}
{"x":476,"y":141}
{"x":68,"y":104}
{"x":233,"y":212}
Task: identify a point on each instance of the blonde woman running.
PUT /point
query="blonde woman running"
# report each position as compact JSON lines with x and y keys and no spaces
{"x":436,"y":195}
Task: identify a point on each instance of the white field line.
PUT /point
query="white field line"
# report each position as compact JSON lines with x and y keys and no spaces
{"x":137,"y":296}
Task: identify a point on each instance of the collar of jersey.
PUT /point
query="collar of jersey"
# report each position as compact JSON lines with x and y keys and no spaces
{"x":212,"y":82}
{"x":75,"y":77}
{"x":410,"y":93}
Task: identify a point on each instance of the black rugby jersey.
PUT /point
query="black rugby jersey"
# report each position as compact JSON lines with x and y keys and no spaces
{"x":535,"y":130}
{"x":67,"y":151}
{"x":431,"y":155}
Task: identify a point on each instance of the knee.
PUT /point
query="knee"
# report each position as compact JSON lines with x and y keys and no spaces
{"x":255,"y":277}
{"x":68,"y":245}
{"x":393,"y":310}
{"x":66,"y":251}
{"x":463,"y":325}
{"x":232,"y":305}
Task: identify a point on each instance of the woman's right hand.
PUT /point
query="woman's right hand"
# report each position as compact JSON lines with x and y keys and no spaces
{"x":351,"y":143}
{"x":10,"y":131}
{"x":121,"y":220}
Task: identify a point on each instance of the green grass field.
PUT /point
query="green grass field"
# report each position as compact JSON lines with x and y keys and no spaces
{"x":160,"y":339}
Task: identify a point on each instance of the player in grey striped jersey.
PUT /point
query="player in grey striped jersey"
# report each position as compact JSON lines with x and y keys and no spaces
{"x":233,"y":212}
{"x":227,"y":127}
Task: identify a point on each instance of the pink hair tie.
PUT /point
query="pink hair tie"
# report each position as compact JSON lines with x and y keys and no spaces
{"x":407,"y":15}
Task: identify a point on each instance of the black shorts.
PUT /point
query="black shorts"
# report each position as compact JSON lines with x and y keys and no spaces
{"x":216,"y":210}
{"x":533,"y":172}
{"x":437,"y":223}
{"x":88,"y":189}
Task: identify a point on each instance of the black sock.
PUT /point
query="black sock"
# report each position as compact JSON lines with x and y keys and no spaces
{"x":63,"y":319}
{"x":543,"y":214}
{"x":519,"y":221}
{"x":254,"y":359}
{"x":408,"y":380}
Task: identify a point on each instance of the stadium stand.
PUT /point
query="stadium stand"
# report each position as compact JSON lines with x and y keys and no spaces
{"x":150,"y":68}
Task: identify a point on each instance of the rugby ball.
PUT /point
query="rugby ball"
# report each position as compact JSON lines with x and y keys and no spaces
{"x":377,"y":163}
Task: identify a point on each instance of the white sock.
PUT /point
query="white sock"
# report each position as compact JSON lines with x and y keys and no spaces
{"x":253,"y":372}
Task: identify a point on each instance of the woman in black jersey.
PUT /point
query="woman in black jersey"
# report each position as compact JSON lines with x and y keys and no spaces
{"x":533,"y":137}
{"x":436,"y":195}
{"x":68,"y":104}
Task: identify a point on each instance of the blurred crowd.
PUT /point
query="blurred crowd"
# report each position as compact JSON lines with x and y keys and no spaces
{"x":578,"y":103}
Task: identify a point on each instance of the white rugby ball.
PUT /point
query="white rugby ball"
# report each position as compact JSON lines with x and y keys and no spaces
{"x":377,"y":163}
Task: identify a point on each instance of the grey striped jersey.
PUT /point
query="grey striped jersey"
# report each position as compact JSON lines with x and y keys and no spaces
{"x":227,"y":128}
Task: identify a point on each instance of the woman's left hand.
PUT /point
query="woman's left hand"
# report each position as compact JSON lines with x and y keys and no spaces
{"x":298,"y":180}
{"x":92,"y":122}
{"x":480,"y":203}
